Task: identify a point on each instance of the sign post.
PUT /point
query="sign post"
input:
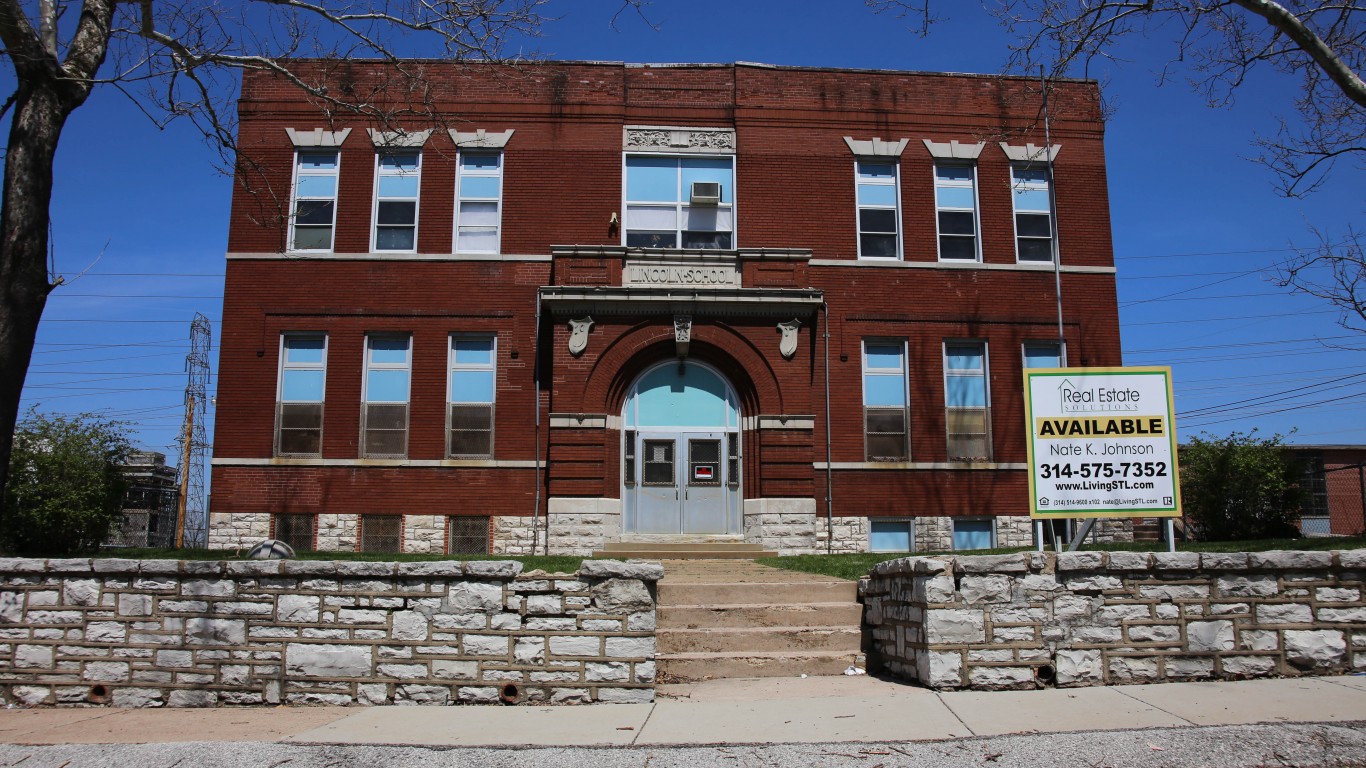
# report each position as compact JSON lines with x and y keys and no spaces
{"x":1102,"y":443}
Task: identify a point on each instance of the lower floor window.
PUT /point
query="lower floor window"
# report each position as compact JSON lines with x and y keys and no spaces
{"x":974,"y":533}
{"x":891,"y":535}
{"x":468,"y":536}
{"x":381,"y":533}
{"x":295,"y":530}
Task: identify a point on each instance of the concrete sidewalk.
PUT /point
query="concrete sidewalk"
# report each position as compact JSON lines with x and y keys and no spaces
{"x":750,"y":711}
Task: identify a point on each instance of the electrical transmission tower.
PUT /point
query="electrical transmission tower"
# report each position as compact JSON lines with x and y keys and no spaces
{"x":192,"y":516}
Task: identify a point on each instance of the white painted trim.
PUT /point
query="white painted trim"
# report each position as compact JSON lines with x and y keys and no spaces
{"x":481,"y":139}
{"x":578,"y":421}
{"x":317,"y":137}
{"x":952,"y":150}
{"x":922,"y":465}
{"x":778,"y":421}
{"x":376,"y":463}
{"x":1039,"y":266}
{"x":320,"y":256}
{"x":876,"y":147}
{"x":398,"y":139}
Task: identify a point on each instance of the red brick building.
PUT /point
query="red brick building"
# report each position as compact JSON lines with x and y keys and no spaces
{"x":580,"y":303}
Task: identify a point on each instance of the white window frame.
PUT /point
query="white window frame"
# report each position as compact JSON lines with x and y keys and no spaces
{"x":415,"y":199}
{"x":904,"y":373}
{"x":451,"y":369}
{"x":909,"y":522}
{"x":976,"y":206}
{"x":1040,"y":343}
{"x":682,"y":203}
{"x":953,"y":532}
{"x":460,"y":174}
{"x":295,"y":198}
{"x":1047,"y":188}
{"x":986,"y":394}
{"x":895,"y":183}
{"x":369,"y":366}
{"x":280,"y":401}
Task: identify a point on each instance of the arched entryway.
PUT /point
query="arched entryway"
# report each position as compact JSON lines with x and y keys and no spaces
{"x":681,"y":452}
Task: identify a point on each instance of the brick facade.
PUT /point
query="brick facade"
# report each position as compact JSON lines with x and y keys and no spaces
{"x":562,"y":256}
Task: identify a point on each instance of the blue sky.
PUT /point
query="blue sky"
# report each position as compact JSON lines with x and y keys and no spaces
{"x":1197,"y":227}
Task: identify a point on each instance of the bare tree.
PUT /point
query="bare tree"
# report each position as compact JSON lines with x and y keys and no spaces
{"x":181,"y":59}
{"x":1335,"y":271}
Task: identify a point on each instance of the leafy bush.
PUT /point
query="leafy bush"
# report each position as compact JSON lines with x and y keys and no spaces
{"x":65,"y":484}
{"x":1240,"y":487}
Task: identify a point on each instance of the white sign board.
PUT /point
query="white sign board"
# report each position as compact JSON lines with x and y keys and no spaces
{"x":1102,"y":442}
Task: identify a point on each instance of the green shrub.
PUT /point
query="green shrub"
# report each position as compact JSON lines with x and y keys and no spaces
{"x":1240,"y":487}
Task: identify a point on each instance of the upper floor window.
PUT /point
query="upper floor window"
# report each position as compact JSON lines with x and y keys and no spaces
{"x":473,"y":378}
{"x":299,"y":400}
{"x":680,"y":202}
{"x":479,"y":192}
{"x":396,"y":188}
{"x":967,"y":411}
{"x":384,"y":411}
{"x":955,"y":195}
{"x":884,"y":401}
{"x":315,"y":200}
{"x":879,"y":210}
{"x":1033,"y":213}
{"x":1042,"y":354}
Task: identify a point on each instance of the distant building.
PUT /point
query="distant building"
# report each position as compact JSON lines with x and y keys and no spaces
{"x":149,"y":508}
{"x":1334,"y":483}
{"x":593,"y":302}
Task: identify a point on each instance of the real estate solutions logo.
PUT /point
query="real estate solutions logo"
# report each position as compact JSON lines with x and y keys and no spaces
{"x":1074,"y":399}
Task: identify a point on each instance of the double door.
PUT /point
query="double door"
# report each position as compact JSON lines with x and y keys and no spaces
{"x":683,"y":483}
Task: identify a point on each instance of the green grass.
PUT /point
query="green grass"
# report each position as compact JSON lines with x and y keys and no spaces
{"x":551,"y":564}
{"x":856,"y":565}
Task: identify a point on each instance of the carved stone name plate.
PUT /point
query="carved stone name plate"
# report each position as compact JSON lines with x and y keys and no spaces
{"x":681,"y":274}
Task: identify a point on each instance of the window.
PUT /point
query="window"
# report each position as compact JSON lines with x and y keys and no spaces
{"x":315,"y":200}
{"x":891,"y":535}
{"x":1042,"y":354}
{"x":467,"y":535}
{"x":381,"y":533}
{"x":384,"y":413}
{"x":974,"y":533}
{"x":884,"y":401}
{"x":299,"y":401}
{"x":479,"y":207}
{"x":471,"y":396}
{"x":1033,"y":213}
{"x":879,"y":210}
{"x":396,"y":188}
{"x":680,"y":202}
{"x":295,"y":530}
{"x":966,"y":401}
{"x":955,"y":195}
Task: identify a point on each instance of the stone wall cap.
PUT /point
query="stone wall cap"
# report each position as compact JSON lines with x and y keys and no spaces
{"x":921,"y":565}
{"x":432,"y":568}
{"x":1352,"y":558}
{"x":493,"y":569}
{"x":69,"y":565}
{"x":1015,"y":563}
{"x":1080,"y":561}
{"x":1176,"y":561}
{"x":365,"y":568}
{"x":644,"y":570}
{"x":1130,"y":561}
{"x":255,"y":567}
{"x":310,"y":567}
{"x":159,"y":567}
{"x":203,"y":567}
{"x":22,"y":565}
{"x":1224,"y":561}
{"x":114,"y":565}
{"x":1290,"y":560}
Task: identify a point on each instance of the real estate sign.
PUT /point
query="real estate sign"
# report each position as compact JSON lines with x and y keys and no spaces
{"x":1102,"y":442}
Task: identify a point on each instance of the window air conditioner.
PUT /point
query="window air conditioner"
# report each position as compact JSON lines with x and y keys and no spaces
{"x":705,"y":193}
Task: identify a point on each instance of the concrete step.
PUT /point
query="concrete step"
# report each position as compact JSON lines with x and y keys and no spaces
{"x":683,"y":667}
{"x":741,"y":641}
{"x":838,"y":614}
{"x":682,"y":554}
{"x":791,"y":593}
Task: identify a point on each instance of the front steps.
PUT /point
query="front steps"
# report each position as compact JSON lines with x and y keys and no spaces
{"x":688,"y":550}
{"x":738,"y":619}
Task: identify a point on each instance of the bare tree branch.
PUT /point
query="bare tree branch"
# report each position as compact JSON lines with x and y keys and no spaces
{"x":1334,"y":271}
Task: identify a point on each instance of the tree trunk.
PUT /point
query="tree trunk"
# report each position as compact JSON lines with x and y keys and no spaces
{"x":40,"y":110}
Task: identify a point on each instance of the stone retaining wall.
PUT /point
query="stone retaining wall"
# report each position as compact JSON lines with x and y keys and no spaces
{"x":208,"y":633}
{"x":1095,"y":618}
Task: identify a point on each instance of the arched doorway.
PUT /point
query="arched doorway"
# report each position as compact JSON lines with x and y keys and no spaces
{"x":681,"y":452}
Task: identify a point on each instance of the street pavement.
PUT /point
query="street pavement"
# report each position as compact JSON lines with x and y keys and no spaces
{"x":856,"y":721}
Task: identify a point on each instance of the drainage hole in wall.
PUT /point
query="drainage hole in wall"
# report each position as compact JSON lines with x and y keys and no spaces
{"x":510,"y":693}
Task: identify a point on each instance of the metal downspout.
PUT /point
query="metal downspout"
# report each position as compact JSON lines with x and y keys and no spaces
{"x":829,"y":476}
{"x":536,"y":403}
